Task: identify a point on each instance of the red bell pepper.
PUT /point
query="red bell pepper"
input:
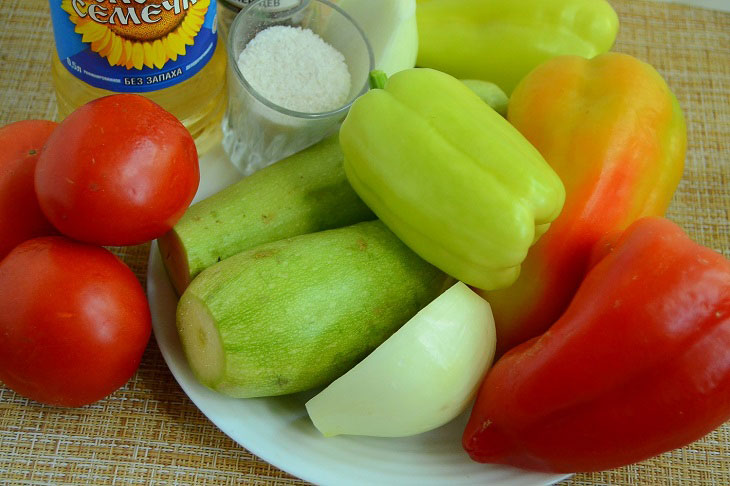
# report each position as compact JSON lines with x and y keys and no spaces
{"x":638,"y":364}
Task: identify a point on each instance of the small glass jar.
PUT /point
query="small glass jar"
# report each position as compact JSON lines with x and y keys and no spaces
{"x":258,"y":132}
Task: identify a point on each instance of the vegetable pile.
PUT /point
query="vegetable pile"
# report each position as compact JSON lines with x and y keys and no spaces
{"x":446,"y":225}
{"x":610,"y":325}
{"x":74,"y":319}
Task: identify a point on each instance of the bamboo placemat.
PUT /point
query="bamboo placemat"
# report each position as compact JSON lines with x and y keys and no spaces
{"x":150,"y":433}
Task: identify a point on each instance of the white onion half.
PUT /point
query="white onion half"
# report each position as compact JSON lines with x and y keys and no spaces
{"x":390,"y":26}
{"x":422,"y":377}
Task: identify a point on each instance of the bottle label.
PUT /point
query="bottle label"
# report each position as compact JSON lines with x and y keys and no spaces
{"x":134,"y":45}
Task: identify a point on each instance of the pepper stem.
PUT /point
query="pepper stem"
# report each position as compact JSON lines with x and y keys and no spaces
{"x":377,"y":79}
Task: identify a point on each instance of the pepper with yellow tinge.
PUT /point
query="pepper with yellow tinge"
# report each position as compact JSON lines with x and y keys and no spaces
{"x":503,"y":40}
{"x":615,"y":134}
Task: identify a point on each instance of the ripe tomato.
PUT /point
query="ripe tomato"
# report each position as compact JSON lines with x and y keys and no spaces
{"x":119,"y":170}
{"x":20,"y":216}
{"x":74,"y":321}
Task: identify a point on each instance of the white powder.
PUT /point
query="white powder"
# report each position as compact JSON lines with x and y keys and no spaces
{"x":294,"y":68}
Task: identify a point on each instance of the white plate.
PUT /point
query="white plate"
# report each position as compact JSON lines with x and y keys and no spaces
{"x":279,"y":431}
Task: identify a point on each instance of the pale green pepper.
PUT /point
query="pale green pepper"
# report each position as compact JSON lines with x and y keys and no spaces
{"x":503,"y":40}
{"x":490,"y":93}
{"x":449,"y":176}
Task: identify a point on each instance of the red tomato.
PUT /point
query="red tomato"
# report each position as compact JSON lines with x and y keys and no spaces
{"x":20,"y":216}
{"x":74,"y":321}
{"x":119,"y":170}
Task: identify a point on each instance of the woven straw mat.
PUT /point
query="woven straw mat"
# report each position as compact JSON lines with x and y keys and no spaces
{"x":149,"y":432}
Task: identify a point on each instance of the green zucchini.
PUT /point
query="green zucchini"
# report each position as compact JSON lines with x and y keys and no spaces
{"x":298,"y":313}
{"x":304,"y":193}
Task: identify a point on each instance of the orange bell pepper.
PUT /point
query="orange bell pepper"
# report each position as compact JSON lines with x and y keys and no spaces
{"x":615,"y":134}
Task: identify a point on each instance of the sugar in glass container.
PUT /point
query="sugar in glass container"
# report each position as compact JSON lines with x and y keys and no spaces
{"x":258,"y":132}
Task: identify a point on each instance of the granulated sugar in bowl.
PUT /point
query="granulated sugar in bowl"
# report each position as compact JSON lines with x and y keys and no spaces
{"x":294,"y":70}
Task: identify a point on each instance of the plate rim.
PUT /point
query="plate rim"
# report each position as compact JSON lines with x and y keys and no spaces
{"x":157,"y":276}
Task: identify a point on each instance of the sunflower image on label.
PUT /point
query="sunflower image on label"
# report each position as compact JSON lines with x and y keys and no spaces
{"x":134,"y":45}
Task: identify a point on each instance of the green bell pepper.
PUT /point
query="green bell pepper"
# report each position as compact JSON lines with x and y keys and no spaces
{"x":503,"y":40}
{"x":490,"y":93}
{"x":449,"y":176}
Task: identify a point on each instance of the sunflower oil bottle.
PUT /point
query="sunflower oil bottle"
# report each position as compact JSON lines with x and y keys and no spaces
{"x":227,"y":11}
{"x":167,"y":50}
